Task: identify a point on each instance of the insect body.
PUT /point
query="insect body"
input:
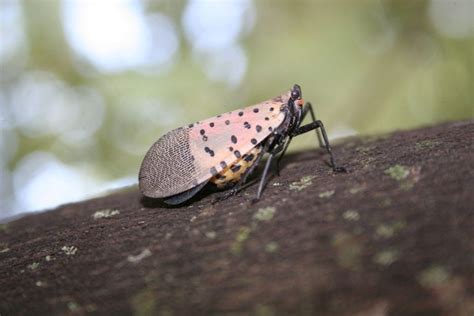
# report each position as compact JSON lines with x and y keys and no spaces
{"x":232,"y":174}
{"x":225,"y":149}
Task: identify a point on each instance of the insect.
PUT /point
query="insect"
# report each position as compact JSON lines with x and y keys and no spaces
{"x":226,"y":149}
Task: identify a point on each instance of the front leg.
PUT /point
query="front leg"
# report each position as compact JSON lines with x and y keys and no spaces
{"x":308,"y":108}
{"x":312,"y":126}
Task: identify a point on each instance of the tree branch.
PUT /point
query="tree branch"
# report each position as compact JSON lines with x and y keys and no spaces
{"x":394,"y":235}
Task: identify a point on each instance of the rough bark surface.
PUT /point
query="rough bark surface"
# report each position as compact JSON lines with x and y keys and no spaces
{"x":393,"y":236}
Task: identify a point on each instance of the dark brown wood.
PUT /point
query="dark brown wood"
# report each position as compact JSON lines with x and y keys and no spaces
{"x":393,"y":236}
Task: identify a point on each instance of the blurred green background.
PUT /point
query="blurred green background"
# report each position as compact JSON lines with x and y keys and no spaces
{"x":87,"y":86}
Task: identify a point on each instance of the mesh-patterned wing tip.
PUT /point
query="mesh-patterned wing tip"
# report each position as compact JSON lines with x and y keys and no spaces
{"x":168,"y":166}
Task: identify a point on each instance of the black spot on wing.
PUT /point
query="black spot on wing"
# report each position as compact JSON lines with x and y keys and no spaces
{"x":223,"y":164}
{"x":237,"y":154}
{"x":227,"y":122}
{"x":219,"y":176}
{"x":202,"y":132}
{"x":235,"y":168}
{"x":247,"y":125}
{"x":211,"y":124}
{"x":241,"y":113}
{"x":255,"y":110}
{"x":209,"y":151}
{"x":249,"y":157}
{"x":233,"y":138}
{"x":254,"y":141}
{"x":213,"y":171}
{"x":258,"y":128}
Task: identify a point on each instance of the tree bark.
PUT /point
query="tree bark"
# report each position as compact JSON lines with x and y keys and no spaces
{"x":392,"y":236}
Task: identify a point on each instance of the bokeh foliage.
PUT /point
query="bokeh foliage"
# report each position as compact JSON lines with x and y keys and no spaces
{"x":368,"y":66}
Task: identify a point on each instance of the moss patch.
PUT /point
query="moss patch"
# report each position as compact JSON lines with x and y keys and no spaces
{"x":426,"y":144}
{"x":69,"y":250}
{"x":351,"y":215}
{"x":390,"y":229}
{"x":105,"y":213}
{"x":355,"y":190}
{"x":407,"y":176}
{"x":143,"y":303}
{"x":265,"y":214}
{"x":433,"y":276}
{"x":348,"y":250}
{"x":302,"y":184}
{"x":73,"y":307}
{"x":33,"y":266}
{"x":4,"y":227}
{"x":386,"y":257}
{"x":271,"y":247}
{"x":398,"y":172}
{"x":326,"y":194}
{"x":211,"y":235}
{"x":264,"y":310}
{"x":242,"y":235}
{"x":142,"y":255}
{"x":4,"y":247}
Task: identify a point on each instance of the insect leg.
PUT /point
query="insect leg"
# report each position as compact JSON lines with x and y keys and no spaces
{"x":267,"y":166}
{"x":314,"y":125}
{"x":308,"y":107}
{"x":287,"y":143}
{"x":264,"y":176}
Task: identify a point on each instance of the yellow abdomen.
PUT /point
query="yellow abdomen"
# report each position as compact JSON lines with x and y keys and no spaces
{"x":233,"y":173}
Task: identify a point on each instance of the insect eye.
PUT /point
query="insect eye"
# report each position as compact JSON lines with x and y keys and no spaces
{"x":296,"y":92}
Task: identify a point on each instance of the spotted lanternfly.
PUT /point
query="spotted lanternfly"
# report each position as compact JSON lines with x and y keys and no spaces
{"x":226,"y":149}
